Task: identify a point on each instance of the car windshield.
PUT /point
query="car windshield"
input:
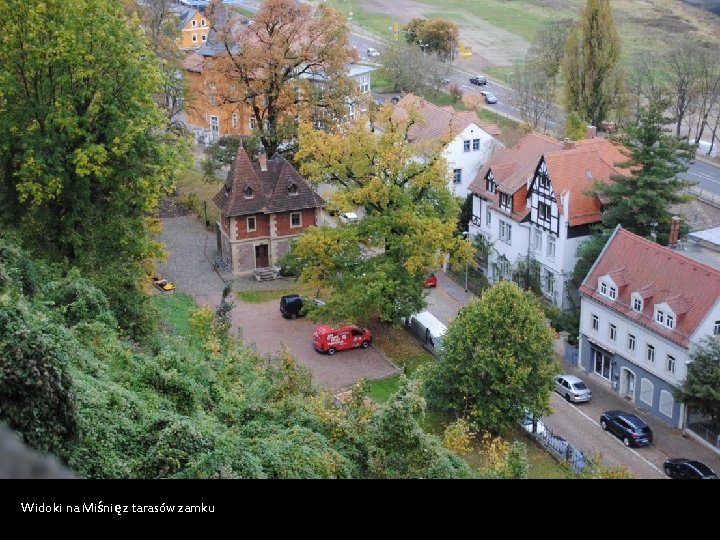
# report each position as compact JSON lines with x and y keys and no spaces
{"x":579,"y":386}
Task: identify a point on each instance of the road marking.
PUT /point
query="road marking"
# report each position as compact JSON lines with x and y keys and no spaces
{"x":616,"y":439}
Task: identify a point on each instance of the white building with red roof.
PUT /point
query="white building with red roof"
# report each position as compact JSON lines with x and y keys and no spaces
{"x":531,"y":202}
{"x":469,"y":142}
{"x":643,"y":308}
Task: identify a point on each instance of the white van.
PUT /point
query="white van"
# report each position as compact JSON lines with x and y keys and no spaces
{"x":427,"y":328}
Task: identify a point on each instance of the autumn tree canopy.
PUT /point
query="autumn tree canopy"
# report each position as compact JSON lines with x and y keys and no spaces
{"x":289,"y":65}
{"x":374,"y":268}
{"x":437,"y":36}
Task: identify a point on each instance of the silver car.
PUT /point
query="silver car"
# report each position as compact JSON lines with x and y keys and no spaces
{"x":572,"y":388}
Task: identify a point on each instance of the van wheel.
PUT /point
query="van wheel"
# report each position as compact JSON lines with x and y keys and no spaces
{"x":331,"y":351}
{"x":293,"y":316}
{"x":365,"y":344}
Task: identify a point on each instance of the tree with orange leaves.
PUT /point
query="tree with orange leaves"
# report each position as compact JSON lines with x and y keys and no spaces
{"x":287,"y":66}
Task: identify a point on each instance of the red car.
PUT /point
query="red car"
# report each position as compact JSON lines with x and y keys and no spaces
{"x":330,"y":340}
{"x":430,"y":281}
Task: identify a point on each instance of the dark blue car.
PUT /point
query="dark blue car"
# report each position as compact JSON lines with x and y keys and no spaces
{"x":631,"y":429}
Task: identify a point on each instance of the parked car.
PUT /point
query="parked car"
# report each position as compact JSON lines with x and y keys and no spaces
{"x":293,"y":306}
{"x":478,"y":79}
{"x":330,"y":340}
{"x":631,"y":429}
{"x":444,"y":80}
{"x":686,"y":469}
{"x":349,"y":217}
{"x":372,"y":52}
{"x":430,"y":281}
{"x":572,"y":388}
{"x":489,"y":97}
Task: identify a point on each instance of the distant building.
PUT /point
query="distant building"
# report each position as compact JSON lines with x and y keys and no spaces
{"x":194,"y":30}
{"x":471,"y":143}
{"x":643,"y":309}
{"x":263,"y":205}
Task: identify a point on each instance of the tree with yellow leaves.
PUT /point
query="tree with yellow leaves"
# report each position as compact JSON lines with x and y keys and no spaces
{"x":375,"y":268}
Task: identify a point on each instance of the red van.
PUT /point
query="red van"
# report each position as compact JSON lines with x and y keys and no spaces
{"x":329,"y":339}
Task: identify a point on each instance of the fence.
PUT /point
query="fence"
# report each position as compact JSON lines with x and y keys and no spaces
{"x":705,"y":433}
{"x":556,"y":445}
{"x":476,"y":280}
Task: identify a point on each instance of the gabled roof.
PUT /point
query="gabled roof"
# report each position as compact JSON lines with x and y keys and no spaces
{"x":661,"y":275}
{"x":512,"y":167}
{"x":185,"y":17}
{"x":270,"y":188}
{"x":573,"y":170}
{"x":437,"y":121}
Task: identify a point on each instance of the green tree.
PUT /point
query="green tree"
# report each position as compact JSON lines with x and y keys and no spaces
{"x":587,"y":254}
{"x":497,"y":360}
{"x":641,"y":201}
{"x":222,"y":152}
{"x":701,"y":387}
{"x":437,"y":36}
{"x":83,"y":150}
{"x":400,"y":448}
{"x":374,"y":268}
{"x":575,"y":127}
{"x":590,"y":66}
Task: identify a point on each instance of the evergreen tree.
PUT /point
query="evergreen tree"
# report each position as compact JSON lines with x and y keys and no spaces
{"x":641,"y":201}
{"x":575,"y":127}
{"x":592,"y":50}
{"x":701,"y":387}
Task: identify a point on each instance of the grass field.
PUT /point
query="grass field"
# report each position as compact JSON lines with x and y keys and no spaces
{"x":258,"y":297}
{"x":174,"y":310}
{"x":192,"y":182}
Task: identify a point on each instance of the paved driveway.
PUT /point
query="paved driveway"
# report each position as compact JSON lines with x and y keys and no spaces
{"x":187,"y":244}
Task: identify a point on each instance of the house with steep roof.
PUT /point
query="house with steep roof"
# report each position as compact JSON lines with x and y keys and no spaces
{"x":263,"y":205}
{"x":194,"y":29}
{"x":530,"y":203}
{"x":643,"y":309}
{"x":469,"y":141}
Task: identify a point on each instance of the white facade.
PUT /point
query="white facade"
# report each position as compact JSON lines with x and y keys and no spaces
{"x":467,"y":152}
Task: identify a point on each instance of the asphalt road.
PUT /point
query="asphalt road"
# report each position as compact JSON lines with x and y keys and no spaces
{"x":705,"y":174}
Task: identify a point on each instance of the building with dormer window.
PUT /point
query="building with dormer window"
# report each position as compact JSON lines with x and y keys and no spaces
{"x":531,"y":203}
{"x":643,"y":308}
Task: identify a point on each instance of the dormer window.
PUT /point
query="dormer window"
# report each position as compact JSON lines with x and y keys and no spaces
{"x":505,"y":202}
{"x":716,"y":328}
{"x":603,"y":289}
{"x":292,"y":189}
{"x":637,"y":304}
{"x":544,"y":182}
{"x":608,"y":290}
{"x":249,"y":192}
{"x":659,"y":316}
{"x":490,"y":184}
{"x":670,"y":321}
{"x":612,"y":293}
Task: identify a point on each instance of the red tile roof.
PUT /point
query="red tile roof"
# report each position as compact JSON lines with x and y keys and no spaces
{"x":437,"y":121}
{"x":663,"y":275}
{"x":270,"y":193}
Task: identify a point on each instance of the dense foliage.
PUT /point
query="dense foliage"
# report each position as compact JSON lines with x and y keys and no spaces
{"x":496,"y":362}
{"x":701,"y":387}
{"x":197,"y":405}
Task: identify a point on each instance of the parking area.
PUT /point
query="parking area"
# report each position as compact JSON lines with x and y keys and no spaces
{"x":190,"y":248}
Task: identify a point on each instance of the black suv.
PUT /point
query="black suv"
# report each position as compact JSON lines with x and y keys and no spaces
{"x":686,"y":469}
{"x":632,"y":430}
{"x":291,"y":305}
{"x":478,"y":79}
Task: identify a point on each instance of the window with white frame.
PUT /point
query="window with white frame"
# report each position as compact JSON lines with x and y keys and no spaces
{"x":234,"y":120}
{"x":669,"y":321}
{"x":202,"y":22}
{"x":613,"y":332}
{"x":488,"y":217}
{"x":505,"y":232}
{"x":193,"y":23}
{"x":647,"y":389}
{"x":466,"y":146}
{"x":612,"y":293}
{"x":666,"y":403}
{"x":603,"y":289}
{"x":214,"y":124}
{"x":251,"y":224}
{"x":670,"y":364}
{"x":490,"y":184}
{"x":537,"y":240}
{"x":457,"y":176}
{"x":253,"y":122}
{"x":203,"y":37}
{"x":650,"y":354}
{"x":365,"y":84}
{"x":551,"y":247}
{"x":659,"y":316}
{"x":637,"y":304}
{"x":549,"y":282}
{"x":292,"y":189}
{"x":505,"y":202}
{"x":476,"y":144}
{"x":295,"y":219}
{"x":544,"y":212}
{"x":595,"y":322}
{"x":503,"y":267}
{"x":631,"y":343}
{"x":716,"y":328}
{"x":544,"y":181}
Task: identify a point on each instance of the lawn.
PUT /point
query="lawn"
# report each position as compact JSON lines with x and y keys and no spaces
{"x":174,"y":311}
{"x":192,"y":182}
{"x":258,"y":297}
{"x":376,"y":22}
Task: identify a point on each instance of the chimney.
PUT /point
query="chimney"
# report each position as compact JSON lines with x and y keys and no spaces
{"x":674,"y":231}
{"x":262,"y":160}
{"x":591,"y":132}
{"x":568,"y":144}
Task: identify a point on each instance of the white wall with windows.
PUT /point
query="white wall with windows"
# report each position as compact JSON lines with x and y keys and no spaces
{"x":468,"y":151}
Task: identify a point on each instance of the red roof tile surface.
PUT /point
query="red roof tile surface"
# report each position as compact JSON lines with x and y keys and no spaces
{"x":663,"y":275}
